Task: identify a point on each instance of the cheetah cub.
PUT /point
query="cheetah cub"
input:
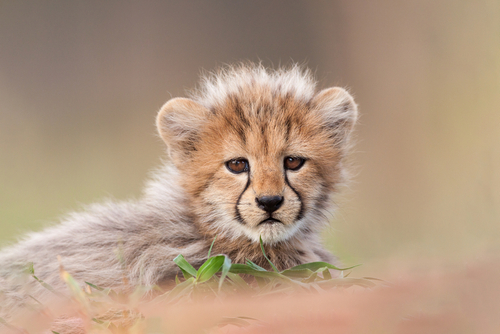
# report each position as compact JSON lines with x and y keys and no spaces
{"x":252,"y":153}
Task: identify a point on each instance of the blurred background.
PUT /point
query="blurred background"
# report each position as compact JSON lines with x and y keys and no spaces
{"x":81,"y":82}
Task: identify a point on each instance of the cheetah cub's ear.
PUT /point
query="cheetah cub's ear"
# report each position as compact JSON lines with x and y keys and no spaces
{"x":339,"y":112}
{"x":178,"y":123}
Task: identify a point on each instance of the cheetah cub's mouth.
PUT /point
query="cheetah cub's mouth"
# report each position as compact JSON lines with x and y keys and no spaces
{"x":270,"y":221}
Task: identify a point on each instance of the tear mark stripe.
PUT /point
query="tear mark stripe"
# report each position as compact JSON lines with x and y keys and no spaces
{"x":300,"y":215}
{"x":238,"y":214}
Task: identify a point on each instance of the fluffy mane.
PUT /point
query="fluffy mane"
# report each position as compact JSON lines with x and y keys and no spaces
{"x":216,"y":86}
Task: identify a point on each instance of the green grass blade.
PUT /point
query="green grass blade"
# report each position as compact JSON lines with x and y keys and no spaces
{"x":185,"y":274}
{"x":209,"y":268}
{"x":94,"y":286}
{"x":31,"y":271}
{"x":47,"y":286}
{"x":212,"y":245}
{"x":264,"y":252}
{"x":254,"y":266}
{"x":226,"y":265}
{"x":186,"y":268}
{"x":297,"y":273}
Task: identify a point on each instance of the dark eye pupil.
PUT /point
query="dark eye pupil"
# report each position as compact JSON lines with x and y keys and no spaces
{"x":237,"y":165}
{"x":293,"y":163}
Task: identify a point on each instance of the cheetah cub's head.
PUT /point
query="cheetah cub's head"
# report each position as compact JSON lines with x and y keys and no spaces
{"x":260,"y":152}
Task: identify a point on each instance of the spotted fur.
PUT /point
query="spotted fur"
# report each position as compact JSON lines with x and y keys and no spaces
{"x":241,"y":112}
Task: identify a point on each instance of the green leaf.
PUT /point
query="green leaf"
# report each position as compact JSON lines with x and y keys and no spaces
{"x":313,"y":266}
{"x":177,"y":281}
{"x":45,"y":285}
{"x":264,"y":252}
{"x":209,"y":268}
{"x":30,"y":269}
{"x":238,"y":268}
{"x":94,"y":286}
{"x":210,"y":250}
{"x":186,"y":268}
{"x":226,"y":265}
{"x":254,"y":266}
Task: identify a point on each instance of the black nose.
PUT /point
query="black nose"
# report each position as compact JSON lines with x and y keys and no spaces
{"x":269,"y":203}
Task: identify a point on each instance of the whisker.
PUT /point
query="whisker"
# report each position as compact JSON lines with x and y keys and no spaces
{"x":329,"y":212}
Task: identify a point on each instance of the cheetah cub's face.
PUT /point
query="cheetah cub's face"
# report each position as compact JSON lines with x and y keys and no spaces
{"x":259,"y":163}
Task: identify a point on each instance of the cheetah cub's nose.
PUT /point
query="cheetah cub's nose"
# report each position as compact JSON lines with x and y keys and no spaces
{"x":269,"y":203}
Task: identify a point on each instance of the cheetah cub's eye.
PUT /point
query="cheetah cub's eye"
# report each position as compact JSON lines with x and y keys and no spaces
{"x":237,"y":166}
{"x":294,"y":163}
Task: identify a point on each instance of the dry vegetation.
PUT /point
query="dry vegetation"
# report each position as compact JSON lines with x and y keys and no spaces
{"x":305,"y":299}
